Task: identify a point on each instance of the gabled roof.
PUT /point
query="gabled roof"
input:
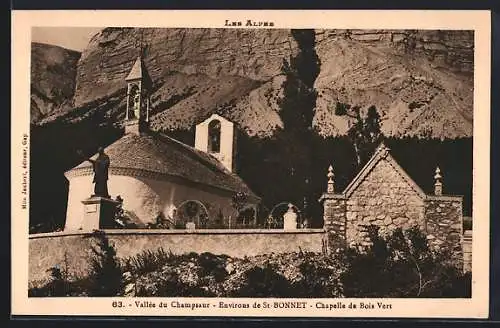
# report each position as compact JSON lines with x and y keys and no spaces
{"x":139,"y":72}
{"x":381,"y":153}
{"x":212,"y":116}
{"x":157,"y":153}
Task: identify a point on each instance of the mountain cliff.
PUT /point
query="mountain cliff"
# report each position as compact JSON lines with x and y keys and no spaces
{"x":53,"y":78}
{"x":420,"y":81}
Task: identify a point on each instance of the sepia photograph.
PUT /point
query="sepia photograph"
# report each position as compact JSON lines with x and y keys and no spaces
{"x":201,"y":168}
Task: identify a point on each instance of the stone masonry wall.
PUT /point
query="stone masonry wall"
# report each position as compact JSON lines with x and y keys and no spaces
{"x":384,"y":199}
{"x":444,"y":223}
{"x":334,"y":220}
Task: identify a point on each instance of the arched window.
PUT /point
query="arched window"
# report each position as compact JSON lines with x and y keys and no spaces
{"x":214,"y":136}
{"x":191,"y":211}
{"x":134,"y":104}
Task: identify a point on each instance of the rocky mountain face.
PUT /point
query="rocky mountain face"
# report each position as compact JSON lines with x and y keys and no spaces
{"x":53,"y":78}
{"x":420,"y":81}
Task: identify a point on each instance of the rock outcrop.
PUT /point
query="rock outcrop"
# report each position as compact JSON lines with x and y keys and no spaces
{"x":53,"y":77}
{"x":420,"y":81}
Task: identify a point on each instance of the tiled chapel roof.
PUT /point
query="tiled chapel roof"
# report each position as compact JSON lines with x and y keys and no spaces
{"x":157,"y":153}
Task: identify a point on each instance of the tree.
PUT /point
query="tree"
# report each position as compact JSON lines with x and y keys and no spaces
{"x":297,"y":109}
{"x":365,"y":134}
{"x":106,"y":272}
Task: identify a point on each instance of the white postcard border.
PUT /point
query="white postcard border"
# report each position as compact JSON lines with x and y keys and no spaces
{"x":479,"y":21}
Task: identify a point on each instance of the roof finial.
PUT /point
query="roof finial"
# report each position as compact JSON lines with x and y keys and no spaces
{"x":438,"y":185}
{"x":331,"y":185}
{"x":383,"y":149}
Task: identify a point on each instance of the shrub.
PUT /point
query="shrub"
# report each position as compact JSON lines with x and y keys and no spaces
{"x":320,"y":277}
{"x":188,"y":275}
{"x":264,"y":282}
{"x":401,"y":265}
{"x":57,"y":286}
{"x":147,"y":261}
{"x":168,"y":283}
{"x":105,"y":271}
{"x":213,"y":266}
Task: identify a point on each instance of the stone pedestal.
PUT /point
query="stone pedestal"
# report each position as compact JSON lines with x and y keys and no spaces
{"x":334,"y":217}
{"x":98,"y":213}
{"x":444,"y":225}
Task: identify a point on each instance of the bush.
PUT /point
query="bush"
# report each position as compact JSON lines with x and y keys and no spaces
{"x":212,"y":265}
{"x":402,"y":265}
{"x":169,"y":283}
{"x":320,"y":278}
{"x":264,"y":282}
{"x":57,"y":286}
{"x":147,"y":261}
{"x":105,"y":271}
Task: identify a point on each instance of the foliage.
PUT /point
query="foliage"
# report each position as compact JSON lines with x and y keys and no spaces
{"x":320,"y":277}
{"x":401,"y":265}
{"x":61,"y":283}
{"x":119,"y":218}
{"x":292,"y":144}
{"x":105,"y":271}
{"x":264,"y":282}
{"x":57,"y":286}
{"x":239,"y":200}
{"x":299,"y":101}
{"x":160,"y":222}
{"x":365,"y":134}
{"x":270,"y":275}
{"x":265,"y":164}
{"x":147,"y":261}
{"x":212,"y":265}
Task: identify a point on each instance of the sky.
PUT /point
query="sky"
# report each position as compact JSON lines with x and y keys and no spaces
{"x":74,"y":38}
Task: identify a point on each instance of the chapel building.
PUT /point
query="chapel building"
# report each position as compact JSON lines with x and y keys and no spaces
{"x":156,"y":176}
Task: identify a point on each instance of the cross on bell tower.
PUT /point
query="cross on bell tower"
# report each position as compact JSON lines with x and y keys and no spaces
{"x":138,"y":97}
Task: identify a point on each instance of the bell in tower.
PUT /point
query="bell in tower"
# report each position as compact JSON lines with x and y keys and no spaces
{"x":138,"y":98}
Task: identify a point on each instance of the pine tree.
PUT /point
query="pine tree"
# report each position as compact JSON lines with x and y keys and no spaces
{"x":297,"y":113}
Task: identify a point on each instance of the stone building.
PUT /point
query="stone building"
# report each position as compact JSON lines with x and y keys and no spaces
{"x":383,"y":194}
{"x":158,"y":176}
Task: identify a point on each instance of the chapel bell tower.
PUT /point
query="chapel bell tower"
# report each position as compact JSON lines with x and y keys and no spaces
{"x":138,"y":98}
{"x":217,"y":137}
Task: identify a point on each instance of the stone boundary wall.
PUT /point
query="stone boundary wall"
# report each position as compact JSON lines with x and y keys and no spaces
{"x":442,"y":223}
{"x":74,"y":249}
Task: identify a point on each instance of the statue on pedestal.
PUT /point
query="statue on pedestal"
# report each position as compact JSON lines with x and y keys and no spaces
{"x":101,"y":168}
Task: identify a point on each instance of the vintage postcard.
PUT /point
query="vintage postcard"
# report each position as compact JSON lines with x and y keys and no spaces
{"x":251,"y":163}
